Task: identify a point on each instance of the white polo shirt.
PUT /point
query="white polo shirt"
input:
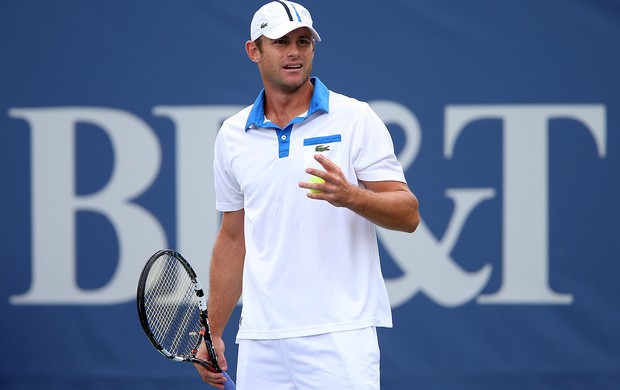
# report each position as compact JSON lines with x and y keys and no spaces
{"x":310,"y":267}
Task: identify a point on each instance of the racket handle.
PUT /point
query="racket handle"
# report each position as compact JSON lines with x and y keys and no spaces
{"x":229,"y":384}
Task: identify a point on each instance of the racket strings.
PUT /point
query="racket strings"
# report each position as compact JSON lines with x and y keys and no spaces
{"x":172,"y":307}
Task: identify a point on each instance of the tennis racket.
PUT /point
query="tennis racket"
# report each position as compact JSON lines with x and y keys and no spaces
{"x":173,"y":310}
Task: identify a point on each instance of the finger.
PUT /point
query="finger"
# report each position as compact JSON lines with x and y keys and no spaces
{"x":215,"y":379}
{"x":206,"y":374}
{"x":324,"y":161}
{"x":221,"y":361}
{"x":317,"y":172}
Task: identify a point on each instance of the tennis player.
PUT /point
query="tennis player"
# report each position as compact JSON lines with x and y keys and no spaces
{"x":302,"y":176}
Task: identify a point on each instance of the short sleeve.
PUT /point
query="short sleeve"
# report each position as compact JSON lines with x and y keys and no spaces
{"x":374,"y":158}
{"x":228,"y":195}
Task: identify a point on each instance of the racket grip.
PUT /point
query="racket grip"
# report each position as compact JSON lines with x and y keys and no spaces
{"x":229,"y":384}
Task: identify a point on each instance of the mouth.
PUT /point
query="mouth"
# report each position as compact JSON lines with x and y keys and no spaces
{"x":293,"y":66}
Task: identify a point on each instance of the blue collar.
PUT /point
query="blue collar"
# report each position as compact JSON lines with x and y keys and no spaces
{"x":319,"y":102}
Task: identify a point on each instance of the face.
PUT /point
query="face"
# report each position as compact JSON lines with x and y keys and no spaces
{"x":284,"y":63}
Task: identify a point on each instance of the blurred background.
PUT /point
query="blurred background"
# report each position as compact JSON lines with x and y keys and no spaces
{"x":505,"y":116}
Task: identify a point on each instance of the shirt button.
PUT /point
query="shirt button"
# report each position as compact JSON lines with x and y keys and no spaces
{"x":283,"y":137}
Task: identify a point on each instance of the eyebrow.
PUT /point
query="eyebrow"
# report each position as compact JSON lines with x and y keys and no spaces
{"x":289,"y":37}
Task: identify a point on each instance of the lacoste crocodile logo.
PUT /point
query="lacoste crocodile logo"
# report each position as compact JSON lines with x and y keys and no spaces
{"x":321,"y":148}
{"x":263,"y":25}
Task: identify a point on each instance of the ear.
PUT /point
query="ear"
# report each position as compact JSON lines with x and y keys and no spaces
{"x":253,"y":52}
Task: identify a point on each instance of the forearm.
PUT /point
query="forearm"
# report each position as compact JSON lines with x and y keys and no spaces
{"x":226,"y":275}
{"x":387,"y":204}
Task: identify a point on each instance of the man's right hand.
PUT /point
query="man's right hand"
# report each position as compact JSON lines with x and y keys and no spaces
{"x":215,"y":379}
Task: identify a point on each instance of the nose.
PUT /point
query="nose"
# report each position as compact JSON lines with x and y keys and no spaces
{"x":293,"y":50}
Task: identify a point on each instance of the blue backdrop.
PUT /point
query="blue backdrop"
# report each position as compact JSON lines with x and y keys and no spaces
{"x":505,"y":115}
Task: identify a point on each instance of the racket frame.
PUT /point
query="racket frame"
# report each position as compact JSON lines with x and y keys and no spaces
{"x":205,"y":333}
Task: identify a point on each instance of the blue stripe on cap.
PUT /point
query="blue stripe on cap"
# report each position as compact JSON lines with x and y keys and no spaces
{"x":296,"y":13}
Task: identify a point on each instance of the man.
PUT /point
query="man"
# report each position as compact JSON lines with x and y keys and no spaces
{"x":302,"y":176}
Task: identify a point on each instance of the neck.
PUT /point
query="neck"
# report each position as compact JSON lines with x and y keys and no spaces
{"x":282,"y":106}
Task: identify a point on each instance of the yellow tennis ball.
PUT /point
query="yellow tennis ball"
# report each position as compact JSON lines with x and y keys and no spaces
{"x":315,"y":179}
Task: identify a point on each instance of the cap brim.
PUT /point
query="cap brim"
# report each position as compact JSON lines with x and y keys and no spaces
{"x":285,"y":28}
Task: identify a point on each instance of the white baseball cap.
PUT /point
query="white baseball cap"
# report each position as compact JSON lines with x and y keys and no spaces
{"x":278,"y":18}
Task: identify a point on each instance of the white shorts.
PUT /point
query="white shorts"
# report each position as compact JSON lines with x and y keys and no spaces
{"x":343,"y":360}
